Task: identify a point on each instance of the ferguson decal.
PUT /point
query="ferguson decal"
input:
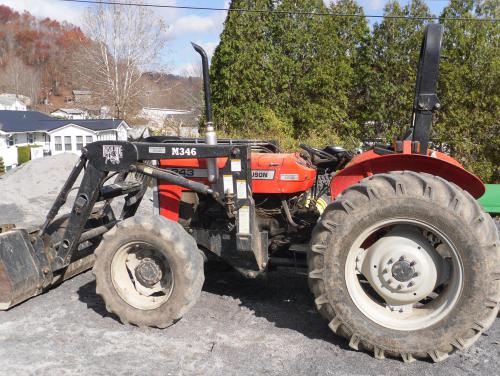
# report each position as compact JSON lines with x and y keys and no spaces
{"x":263,"y":174}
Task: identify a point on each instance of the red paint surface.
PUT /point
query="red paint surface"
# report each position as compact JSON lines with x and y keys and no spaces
{"x":436,"y":163}
{"x":362,"y":166}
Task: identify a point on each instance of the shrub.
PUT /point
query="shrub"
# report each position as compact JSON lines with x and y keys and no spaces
{"x":24,"y":153}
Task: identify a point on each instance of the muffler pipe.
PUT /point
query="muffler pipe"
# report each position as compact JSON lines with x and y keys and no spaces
{"x":210,"y":135}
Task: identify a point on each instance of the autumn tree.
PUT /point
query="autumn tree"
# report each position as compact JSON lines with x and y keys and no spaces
{"x":18,"y":78}
{"x":40,"y":46}
{"x":125,"y":41}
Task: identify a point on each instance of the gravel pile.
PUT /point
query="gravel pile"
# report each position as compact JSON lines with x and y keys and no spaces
{"x":267,"y":326}
{"x":27,"y":192}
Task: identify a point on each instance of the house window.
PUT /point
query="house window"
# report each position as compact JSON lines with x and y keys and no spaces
{"x":88,"y":140}
{"x":10,"y":140}
{"x":79,"y":142}
{"x":58,"y":143}
{"x":31,"y":138}
{"x":67,"y":143}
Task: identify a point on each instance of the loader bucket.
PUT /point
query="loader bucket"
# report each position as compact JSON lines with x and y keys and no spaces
{"x":21,"y":276}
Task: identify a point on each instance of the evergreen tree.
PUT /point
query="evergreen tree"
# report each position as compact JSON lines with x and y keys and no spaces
{"x":306,"y":84}
{"x":352,"y":53}
{"x":2,"y":166}
{"x":243,"y":70}
{"x":394,"y":55}
{"x":294,"y":71}
{"x":469,"y":87}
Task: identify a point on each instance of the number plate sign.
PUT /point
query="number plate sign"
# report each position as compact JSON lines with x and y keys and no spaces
{"x":190,"y":172}
{"x":181,"y":151}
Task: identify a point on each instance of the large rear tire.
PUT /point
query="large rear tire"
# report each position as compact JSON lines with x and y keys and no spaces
{"x":149,"y":271}
{"x":406,"y":264}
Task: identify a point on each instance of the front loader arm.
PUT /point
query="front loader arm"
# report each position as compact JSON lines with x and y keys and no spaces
{"x":102,"y":158}
{"x":32,"y":262}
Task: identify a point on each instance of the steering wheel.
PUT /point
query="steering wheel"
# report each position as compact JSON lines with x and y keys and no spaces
{"x":324,"y":156}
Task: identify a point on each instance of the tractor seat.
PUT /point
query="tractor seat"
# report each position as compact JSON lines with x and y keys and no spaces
{"x":340,"y":157}
{"x":334,"y":150}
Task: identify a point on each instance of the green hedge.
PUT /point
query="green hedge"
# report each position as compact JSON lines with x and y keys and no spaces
{"x":24,"y":153}
{"x":2,"y":166}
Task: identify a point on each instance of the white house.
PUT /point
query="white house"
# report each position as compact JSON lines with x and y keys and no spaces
{"x":19,"y":128}
{"x":158,"y":115}
{"x":81,"y":96}
{"x":23,"y":98}
{"x":11,"y":104}
{"x":70,"y":113}
{"x":182,"y":123}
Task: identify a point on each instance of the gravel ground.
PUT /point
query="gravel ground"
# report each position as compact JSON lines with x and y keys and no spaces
{"x":267,"y":326}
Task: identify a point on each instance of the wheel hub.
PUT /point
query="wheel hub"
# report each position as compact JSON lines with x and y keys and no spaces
{"x":148,"y":272}
{"x":402,"y":267}
{"x":402,"y":271}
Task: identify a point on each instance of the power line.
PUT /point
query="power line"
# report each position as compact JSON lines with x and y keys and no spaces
{"x":300,"y":13}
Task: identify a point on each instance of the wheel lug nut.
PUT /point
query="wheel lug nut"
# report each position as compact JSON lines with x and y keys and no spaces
{"x":400,"y":286}
{"x":416,"y":274}
{"x":389,"y":281}
{"x":390,"y":261}
{"x":413,"y":263}
{"x":384,"y":271}
{"x":402,"y":258}
{"x":411,"y":284}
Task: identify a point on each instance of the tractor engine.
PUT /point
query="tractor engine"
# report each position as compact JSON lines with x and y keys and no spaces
{"x":288,"y":219}
{"x":283,"y":185}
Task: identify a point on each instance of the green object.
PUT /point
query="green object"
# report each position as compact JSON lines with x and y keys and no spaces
{"x":490,"y":201}
{"x":24,"y":153}
{"x":2,"y":166}
{"x":300,"y":72}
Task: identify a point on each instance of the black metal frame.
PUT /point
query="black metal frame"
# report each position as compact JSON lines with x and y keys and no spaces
{"x":426,"y":100}
{"x":232,"y":190}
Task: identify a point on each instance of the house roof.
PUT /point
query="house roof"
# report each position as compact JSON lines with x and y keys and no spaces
{"x":72,"y":111}
{"x":22,"y":121}
{"x":92,"y":124}
{"x":167,"y":111}
{"x":9,"y":101}
{"x":137,"y":132}
{"x":82,"y":92}
{"x":33,"y":121}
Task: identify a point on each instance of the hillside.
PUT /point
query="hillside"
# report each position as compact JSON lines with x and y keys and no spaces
{"x":37,"y":59}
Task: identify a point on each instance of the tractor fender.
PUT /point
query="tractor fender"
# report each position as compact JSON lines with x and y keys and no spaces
{"x":436,"y":163}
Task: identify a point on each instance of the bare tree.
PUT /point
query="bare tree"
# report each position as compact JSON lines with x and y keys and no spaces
{"x":126,"y":41}
{"x":20,"y":79}
{"x":169,"y":127}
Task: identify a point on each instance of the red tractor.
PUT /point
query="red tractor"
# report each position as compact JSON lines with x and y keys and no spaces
{"x":402,"y":262}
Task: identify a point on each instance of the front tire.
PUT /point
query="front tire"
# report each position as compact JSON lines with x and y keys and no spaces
{"x":406,"y":264}
{"x":149,"y":271}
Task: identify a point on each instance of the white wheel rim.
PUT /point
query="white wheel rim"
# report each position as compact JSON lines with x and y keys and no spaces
{"x":126,"y":265}
{"x":402,"y":305}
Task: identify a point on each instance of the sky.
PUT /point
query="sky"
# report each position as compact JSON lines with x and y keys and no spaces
{"x":199,"y":26}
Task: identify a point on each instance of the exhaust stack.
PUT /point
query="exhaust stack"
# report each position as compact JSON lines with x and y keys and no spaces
{"x":210,"y":135}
